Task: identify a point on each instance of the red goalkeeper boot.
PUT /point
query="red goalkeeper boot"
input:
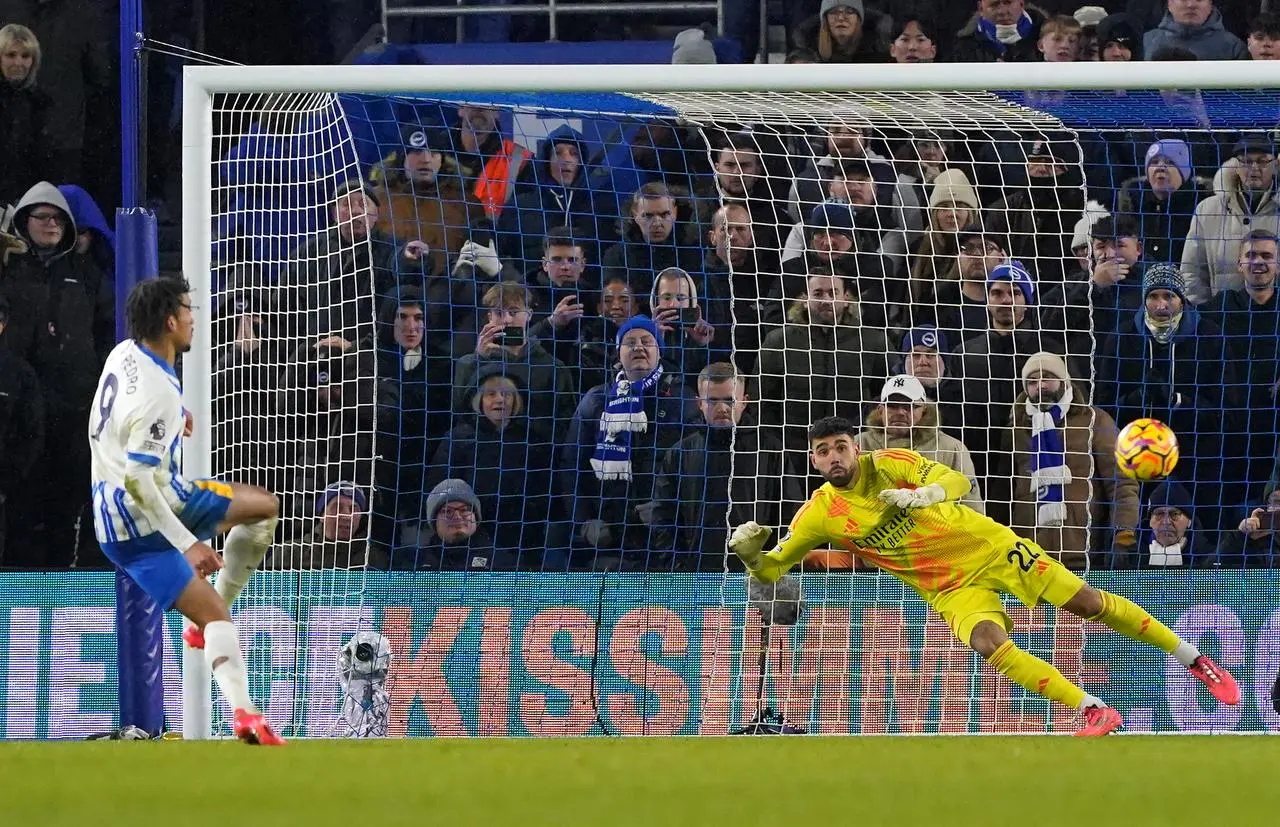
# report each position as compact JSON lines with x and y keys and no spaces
{"x":193,"y":637}
{"x":1100,"y":720}
{"x":1221,"y":685}
{"x":252,"y":728}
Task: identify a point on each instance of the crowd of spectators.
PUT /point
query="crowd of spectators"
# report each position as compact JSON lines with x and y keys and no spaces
{"x":954,"y":31}
{"x":582,"y":355}
{"x":57,"y":254}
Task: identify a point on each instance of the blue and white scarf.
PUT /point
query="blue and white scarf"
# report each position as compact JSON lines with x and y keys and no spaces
{"x":623,"y":415}
{"x":1005,"y":36}
{"x":1049,"y":471}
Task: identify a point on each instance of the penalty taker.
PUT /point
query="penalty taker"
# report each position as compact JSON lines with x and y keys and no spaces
{"x":898,"y":511}
{"x":153,"y":523}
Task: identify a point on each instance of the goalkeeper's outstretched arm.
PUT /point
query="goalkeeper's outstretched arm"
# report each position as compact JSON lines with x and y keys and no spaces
{"x":748,"y":542}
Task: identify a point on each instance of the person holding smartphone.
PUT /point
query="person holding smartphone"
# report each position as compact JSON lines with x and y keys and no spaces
{"x":1253,"y":545}
{"x":686,"y":334}
{"x":504,"y":341}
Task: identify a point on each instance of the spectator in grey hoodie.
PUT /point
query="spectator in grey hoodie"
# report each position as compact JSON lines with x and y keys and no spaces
{"x":1195,"y":25}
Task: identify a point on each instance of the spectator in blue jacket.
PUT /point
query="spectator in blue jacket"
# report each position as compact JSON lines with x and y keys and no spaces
{"x":559,"y":195}
{"x":1166,"y":361}
{"x":1195,"y":25}
{"x":615,"y":441}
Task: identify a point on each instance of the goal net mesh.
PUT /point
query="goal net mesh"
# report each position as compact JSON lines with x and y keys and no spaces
{"x":517,"y":365}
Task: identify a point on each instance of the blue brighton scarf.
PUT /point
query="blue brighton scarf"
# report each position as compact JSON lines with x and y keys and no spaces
{"x":1049,"y":471}
{"x":623,"y":415}
{"x":1004,"y":36}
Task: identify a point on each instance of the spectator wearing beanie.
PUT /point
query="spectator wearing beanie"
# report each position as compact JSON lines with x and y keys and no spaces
{"x":1089,"y":17}
{"x":451,"y":536}
{"x":926,"y":355}
{"x":1119,"y":38}
{"x":1197,"y":28}
{"x":1093,"y":211}
{"x":991,"y":364}
{"x":422,"y":196}
{"x":844,"y":31}
{"x":1069,"y":496}
{"x":1166,"y":361}
{"x":1176,"y":534}
{"x":339,"y":538}
{"x":615,"y":440}
{"x":1163,"y":200}
{"x":953,"y":205}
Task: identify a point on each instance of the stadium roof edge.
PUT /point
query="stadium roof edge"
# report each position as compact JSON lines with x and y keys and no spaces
{"x":733,"y":77}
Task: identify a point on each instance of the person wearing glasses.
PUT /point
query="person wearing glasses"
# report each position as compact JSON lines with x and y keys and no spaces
{"x":62,"y":322}
{"x":1245,"y":200}
{"x":451,"y":537}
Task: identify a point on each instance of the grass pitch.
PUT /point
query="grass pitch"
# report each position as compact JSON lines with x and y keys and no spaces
{"x":798,"y":781}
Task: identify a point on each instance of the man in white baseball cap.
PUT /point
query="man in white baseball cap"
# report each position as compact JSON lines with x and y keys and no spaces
{"x":907,"y":418}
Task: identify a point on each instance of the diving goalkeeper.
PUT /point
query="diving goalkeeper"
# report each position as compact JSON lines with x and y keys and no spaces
{"x":898,"y":511}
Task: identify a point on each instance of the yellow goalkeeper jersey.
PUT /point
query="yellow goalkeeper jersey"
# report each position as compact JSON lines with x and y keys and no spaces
{"x":933,"y":549}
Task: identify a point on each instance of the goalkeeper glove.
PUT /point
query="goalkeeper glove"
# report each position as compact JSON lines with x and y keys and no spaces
{"x":747,"y":541}
{"x":914,"y":497}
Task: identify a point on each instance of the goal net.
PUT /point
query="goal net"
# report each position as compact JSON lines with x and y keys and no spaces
{"x":517,"y":360}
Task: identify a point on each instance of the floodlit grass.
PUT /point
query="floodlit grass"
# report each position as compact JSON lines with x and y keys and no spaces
{"x":794,"y":781}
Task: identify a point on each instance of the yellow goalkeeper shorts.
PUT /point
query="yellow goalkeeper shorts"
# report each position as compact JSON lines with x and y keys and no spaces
{"x":1025,"y":571}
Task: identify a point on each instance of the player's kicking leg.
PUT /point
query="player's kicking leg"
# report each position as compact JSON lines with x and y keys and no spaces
{"x":247,"y":514}
{"x":205,"y":608}
{"x":990,"y":639}
{"x":1129,"y":619}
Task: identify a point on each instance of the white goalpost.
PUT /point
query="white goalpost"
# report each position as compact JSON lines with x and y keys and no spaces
{"x":667,"y":644}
